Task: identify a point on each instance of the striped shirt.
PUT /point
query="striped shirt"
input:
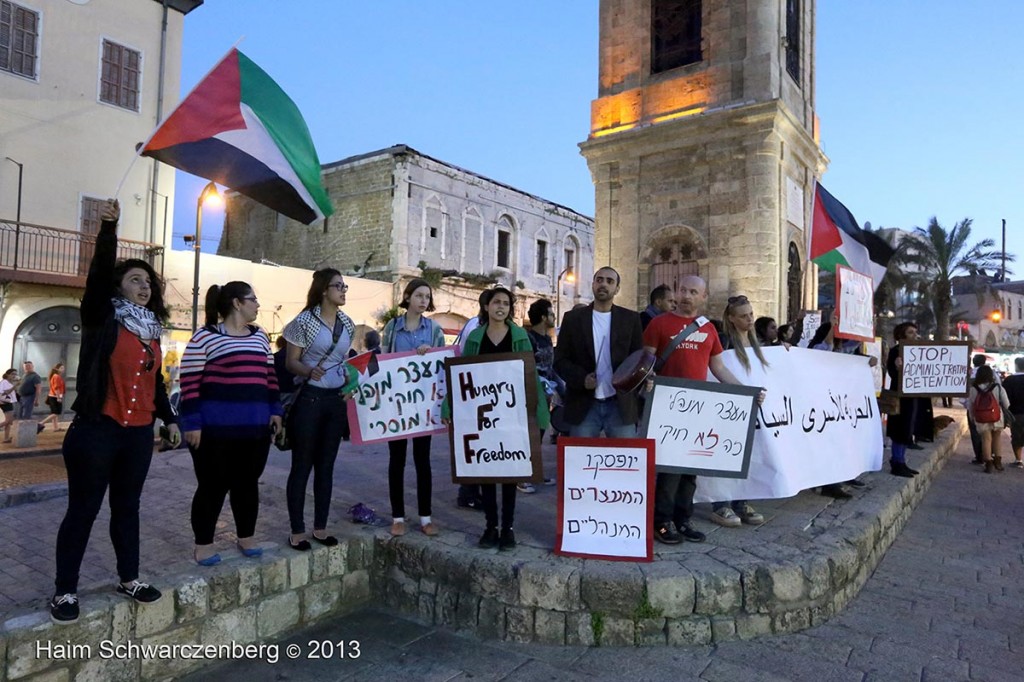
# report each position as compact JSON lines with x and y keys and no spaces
{"x":228,"y":384}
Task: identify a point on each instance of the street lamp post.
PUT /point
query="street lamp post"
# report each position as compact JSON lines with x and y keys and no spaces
{"x":208,"y":192}
{"x":17,"y":216}
{"x":569,"y":277}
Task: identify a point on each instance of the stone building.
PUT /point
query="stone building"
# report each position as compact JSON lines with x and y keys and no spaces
{"x":396,"y":208}
{"x":704,"y":147}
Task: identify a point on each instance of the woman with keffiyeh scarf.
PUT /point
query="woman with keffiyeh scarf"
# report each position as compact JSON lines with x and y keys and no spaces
{"x":120,"y":392}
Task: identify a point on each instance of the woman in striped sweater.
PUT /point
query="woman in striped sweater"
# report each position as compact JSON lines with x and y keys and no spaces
{"x":230,"y":408}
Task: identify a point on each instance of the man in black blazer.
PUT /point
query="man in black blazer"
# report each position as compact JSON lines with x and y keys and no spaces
{"x":592,"y":342}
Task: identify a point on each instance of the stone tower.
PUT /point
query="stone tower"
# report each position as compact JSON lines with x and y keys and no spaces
{"x":703,"y":148}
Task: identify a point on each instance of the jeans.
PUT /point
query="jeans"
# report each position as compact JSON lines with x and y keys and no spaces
{"x":489,"y":491}
{"x":396,"y":474}
{"x":26,"y":404}
{"x":99,"y":453}
{"x":227,"y":465}
{"x":673,"y":499}
{"x":603,"y":416}
{"x":315,"y":427}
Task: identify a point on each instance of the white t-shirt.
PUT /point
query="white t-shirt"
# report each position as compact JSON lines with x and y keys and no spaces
{"x":7,"y":392}
{"x":603,"y":353}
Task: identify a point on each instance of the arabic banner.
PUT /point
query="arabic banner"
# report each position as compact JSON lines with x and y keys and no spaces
{"x":606,"y":498}
{"x":700,"y":427}
{"x":494,"y":435}
{"x":818,"y":424}
{"x":855,"y":295}
{"x":935,"y":368}
{"x":403,"y":399}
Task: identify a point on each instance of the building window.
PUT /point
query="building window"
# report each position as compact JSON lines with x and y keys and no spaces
{"x":675,"y":34}
{"x":504,"y":248}
{"x":542,"y":257}
{"x":434,"y":221}
{"x":570,"y":262}
{"x":19,"y":38}
{"x":119,"y":80}
{"x":793,"y":39}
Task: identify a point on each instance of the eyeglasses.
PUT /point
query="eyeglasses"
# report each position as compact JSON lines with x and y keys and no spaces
{"x":251,"y":298}
{"x":339,"y":286}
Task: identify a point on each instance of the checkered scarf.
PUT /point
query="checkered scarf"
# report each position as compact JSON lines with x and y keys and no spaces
{"x":137,"y":319}
{"x":303,"y":329}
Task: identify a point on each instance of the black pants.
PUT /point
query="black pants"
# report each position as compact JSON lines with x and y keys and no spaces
{"x":396,"y":474}
{"x":315,"y":433}
{"x":975,"y":438}
{"x":227,"y":465}
{"x":489,"y":493}
{"x":98,"y":453}
{"x":673,"y":499}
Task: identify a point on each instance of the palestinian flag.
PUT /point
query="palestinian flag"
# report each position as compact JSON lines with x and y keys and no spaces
{"x":837,"y":239}
{"x":238,"y":128}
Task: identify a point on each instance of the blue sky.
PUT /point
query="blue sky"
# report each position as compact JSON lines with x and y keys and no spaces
{"x":917,"y":108}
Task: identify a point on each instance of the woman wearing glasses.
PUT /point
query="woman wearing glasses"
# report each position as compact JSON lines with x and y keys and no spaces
{"x":229,"y":408}
{"x":318,"y":342}
{"x":120,"y":392}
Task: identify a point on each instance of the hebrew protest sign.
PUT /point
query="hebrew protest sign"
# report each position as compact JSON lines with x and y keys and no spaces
{"x":855,"y":304}
{"x":402,"y":399}
{"x":935,"y":368}
{"x":700,"y":427}
{"x":494,"y":436}
{"x":819,"y":424}
{"x":606,"y":498}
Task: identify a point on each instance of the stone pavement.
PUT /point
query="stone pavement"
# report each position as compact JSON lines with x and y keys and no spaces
{"x":945,"y":603}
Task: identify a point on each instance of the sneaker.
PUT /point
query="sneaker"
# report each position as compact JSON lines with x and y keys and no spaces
{"x":550,"y":481}
{"x":691,"y":534}
{"x":751,"y":516}
{"x":64,"y":608}
{"x":856,"y":483}
{"x":526,"y":488}
{"x":667,"y":535}
{"x":507,"y":540}
{"x":489,"y":540}
{"x":725,"y":516}
{"x":472,"y":503}
{"x":140,"y":592}
{"x":1019,"y":464}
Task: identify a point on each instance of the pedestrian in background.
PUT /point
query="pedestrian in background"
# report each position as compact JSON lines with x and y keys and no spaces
{"x":55,"y":397}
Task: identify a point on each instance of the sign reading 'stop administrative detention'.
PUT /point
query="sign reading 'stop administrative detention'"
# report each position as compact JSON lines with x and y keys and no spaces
{"x":935,"y":368}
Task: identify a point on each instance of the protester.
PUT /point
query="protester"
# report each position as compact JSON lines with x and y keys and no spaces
{"x":318,"y":342}
{"x":785,"y":334}
{"x":767,"y":332}
{"x":661,"y":300}
{"x":8,"y":399}
{"x":498,"y":334}
{"x":412,"y":332}
{"x":977,"y":361}
{"x":900,"y":427}
{"x":691,"y":347}
{"x":110,"y":441}
{"x":55,"y":398}
{"x":229,"y":410}
{"x":285,"y":379}
{"x":1014,"y":385}
{"x":28,"y":391}
{"x":987,"y":402}
{"x":541,"y":315}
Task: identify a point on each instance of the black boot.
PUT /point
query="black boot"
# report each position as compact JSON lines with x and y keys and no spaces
{"x":900,"y":469}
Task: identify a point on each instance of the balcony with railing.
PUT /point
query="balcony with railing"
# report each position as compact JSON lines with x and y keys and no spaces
{"x":50,"y":255}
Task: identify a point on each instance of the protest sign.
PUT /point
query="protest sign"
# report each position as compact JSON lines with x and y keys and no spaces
{"x":873,"y":349}
{"x":494,"y":436}
{"x":606,"y":498}
{"x":700,"y":427}
{"x":812,"y":320}
{"x":935,"y":368}
{"x":402,"y":399}
{"x":818,"y":424}
{"x":855,"y":295}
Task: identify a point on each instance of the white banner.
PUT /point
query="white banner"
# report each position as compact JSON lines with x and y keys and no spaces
{"x":401,"y":400}
{"x":819,"y":424}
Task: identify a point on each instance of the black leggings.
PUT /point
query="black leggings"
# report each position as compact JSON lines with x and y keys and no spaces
{"x":489,"y":492}
{"x":396,"y":474}
{"x":315,"y":432}
{"x":227,"y":465}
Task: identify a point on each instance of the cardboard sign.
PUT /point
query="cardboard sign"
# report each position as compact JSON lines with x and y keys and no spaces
{"x":812,"y":320}
{"x":700,"y":427}
{"x":935,"y":368}
{"x":403,"y":399}
{"x":494,"y":434}
{"x":606,"y":498}
{"x":855,"y":295}
{"x":873,"y":349}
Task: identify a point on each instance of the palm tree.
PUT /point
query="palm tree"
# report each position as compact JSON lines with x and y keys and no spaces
{"x":939,"y":256}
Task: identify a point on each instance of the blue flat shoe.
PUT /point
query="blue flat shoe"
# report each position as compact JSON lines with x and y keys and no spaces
{"x":212,"y":560}
{"x":252,"y":552}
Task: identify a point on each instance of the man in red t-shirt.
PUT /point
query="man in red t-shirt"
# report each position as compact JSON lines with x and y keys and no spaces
{"x":692,"y":358}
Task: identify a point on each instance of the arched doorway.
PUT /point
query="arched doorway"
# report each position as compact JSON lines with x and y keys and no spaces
{"x":794,"y":284}
{"x":50,"y":336}
{"x":673,"y":253}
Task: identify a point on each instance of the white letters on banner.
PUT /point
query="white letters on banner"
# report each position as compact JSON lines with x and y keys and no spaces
{"x":856,"y":305}
{"x":491,"y":418}
{"x":818,"y":424}
{"x":700,"y":427}
{"x":606,"y":500}
{"x":403,"y":399}
{"x":935,"y":368}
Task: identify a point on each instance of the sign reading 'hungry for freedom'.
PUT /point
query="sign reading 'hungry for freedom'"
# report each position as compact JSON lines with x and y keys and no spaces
{"x":935,"y":368}
{"x":606,"y":498}
{"x":494,"y":436}
{"x":402,"y":399}
{"x":700,"y":427}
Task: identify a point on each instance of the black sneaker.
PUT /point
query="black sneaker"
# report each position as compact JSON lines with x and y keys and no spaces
{"x":140,"y":592}
{"x":691,"y":534}
{"x":473,"y":503}
{"x":507,"y":540}
{"x":489,"y":540}
{"x":856,"y":483}
{"x":667,"y":535}
{"x":64,"y":608}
